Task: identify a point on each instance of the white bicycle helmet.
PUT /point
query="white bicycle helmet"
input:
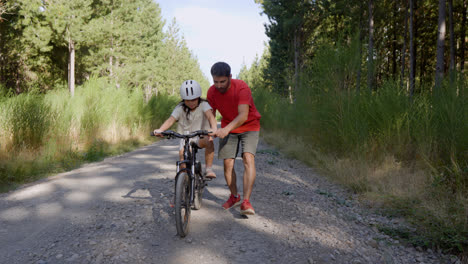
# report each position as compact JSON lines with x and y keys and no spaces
{"x":190,"y":90}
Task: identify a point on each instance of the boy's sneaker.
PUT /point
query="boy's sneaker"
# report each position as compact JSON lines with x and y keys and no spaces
{"x":246,"y":208}
{"x":232,"y":201}
{"x":210,"y":173}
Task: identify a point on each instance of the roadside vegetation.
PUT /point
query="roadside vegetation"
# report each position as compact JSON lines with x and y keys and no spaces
{"x":405,"y":158}
{"x":42,"y":134}
{"x":342,"y":88}
{"x":127,"y":68}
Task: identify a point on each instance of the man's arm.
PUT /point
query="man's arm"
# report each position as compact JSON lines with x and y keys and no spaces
{"x":243,"y":114}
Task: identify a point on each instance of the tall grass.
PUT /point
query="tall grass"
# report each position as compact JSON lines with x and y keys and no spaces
{"x":408,"y":155}
{"x":42,"y":133}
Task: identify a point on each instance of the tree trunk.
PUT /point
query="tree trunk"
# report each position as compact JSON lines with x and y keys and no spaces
{"x":358,"y":77}
{"x":452,"y":43}
{"x":296,"y":66}
{"x":462,"y":36}
{"x":394,"y":41}
{"x":403,"y":49}
{"x":422,"y":60}
{"x":71,"y":67}
{"x":110,"y":65}
{"x":370,"y":72}
{"x":17,"y":81}
{"x":111,"y":57}
{"x":440,"y":46}
{"x":412,"y":49}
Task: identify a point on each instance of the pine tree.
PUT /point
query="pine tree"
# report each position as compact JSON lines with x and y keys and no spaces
{"x":69,"y":20}
{"x":25,"y":46}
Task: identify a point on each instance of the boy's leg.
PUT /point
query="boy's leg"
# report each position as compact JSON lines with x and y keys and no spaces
{"x":181,"y":157}
{"x":209,"y":150}
{"x":209,"y":156}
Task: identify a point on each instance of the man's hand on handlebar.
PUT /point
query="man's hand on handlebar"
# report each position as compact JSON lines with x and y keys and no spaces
{"x":212,"y":134}
{"x":222,"y":133}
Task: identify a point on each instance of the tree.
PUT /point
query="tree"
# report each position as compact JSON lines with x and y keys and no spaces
{"x":68,"y":20}
{"x":361,"y":37}
{"x":3,"y":9}
{"x":46,"y":43}
{"x":288,"y":33}
{"x":403,"y":49}
{"x":370,"y":67}
{"x":253,"y":75}
{"x":25,"y":46}
{"x":452,"y":42}
{"x":107,"y":31}
{"x":412,"y":49}
{"x":177,"y":63}
{"x":141,"y":44}
{"x":462,"y":37}
{"x":440,"y":46}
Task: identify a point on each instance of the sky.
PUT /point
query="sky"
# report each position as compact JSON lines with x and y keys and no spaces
{"x":219,"y":30}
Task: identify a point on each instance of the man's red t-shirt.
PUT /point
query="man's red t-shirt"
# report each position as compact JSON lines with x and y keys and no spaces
{"x":227,"y":104}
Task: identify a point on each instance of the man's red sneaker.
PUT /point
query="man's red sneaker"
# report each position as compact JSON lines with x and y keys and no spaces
{"x":232,"y":201}
{"x":246,"y":208}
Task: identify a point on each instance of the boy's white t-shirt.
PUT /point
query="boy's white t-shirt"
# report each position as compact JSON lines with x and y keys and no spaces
{"x":196,"y":119}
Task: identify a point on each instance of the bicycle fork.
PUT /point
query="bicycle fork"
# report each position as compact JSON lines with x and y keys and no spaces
{"x":191,"y":174}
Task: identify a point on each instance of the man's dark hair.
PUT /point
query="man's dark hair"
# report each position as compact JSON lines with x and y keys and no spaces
{"x":220,"y":69}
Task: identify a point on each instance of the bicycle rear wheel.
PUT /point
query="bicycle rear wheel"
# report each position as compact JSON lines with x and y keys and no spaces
{"x":200,"y":186}
{"x":182,"y":204}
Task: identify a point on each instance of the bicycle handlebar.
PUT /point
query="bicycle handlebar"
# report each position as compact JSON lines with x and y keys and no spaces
{"x":173,"y":134}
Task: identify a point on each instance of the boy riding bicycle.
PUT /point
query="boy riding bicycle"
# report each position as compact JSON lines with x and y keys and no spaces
{"x":193,"y":113}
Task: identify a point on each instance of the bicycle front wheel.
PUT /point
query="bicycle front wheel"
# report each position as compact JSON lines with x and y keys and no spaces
{"x":182,"y":204}
{"x":199,"y":187}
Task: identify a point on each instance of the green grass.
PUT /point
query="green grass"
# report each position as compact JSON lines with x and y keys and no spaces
{"x":407,"y":155}
{"x":53,"y":132}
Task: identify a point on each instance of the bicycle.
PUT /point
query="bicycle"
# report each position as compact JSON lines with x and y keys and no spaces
{"x":189,"y":181}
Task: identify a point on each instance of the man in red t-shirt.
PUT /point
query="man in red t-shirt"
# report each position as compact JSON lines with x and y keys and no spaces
{"x":240,"y":127}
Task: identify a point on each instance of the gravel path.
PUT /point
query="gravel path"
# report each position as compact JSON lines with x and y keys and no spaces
{"x":117,"y":211}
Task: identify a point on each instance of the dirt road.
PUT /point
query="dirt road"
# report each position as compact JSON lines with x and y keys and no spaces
{"x":117,"y":211}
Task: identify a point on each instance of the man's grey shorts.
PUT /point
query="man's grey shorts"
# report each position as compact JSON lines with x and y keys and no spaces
{"x":229,"y":146}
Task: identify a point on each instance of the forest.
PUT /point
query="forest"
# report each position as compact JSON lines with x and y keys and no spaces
{"x":45,"y":44}
{"x":371,"y":93}
{"x":125,"y":66}
{"x":374,"y":94}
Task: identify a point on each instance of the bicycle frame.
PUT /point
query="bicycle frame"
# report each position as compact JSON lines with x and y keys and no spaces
{"x":195,"y":183}
{"x":190,"y":153}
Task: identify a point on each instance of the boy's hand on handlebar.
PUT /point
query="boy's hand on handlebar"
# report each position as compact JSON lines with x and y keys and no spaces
{"x":157,"y":132}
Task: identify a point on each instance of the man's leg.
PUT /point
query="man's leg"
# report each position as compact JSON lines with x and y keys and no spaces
{"x":249,"y":174}
{"x":227,"y":152}
{"x":230,"y":175}
{"x":249,"y":141}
